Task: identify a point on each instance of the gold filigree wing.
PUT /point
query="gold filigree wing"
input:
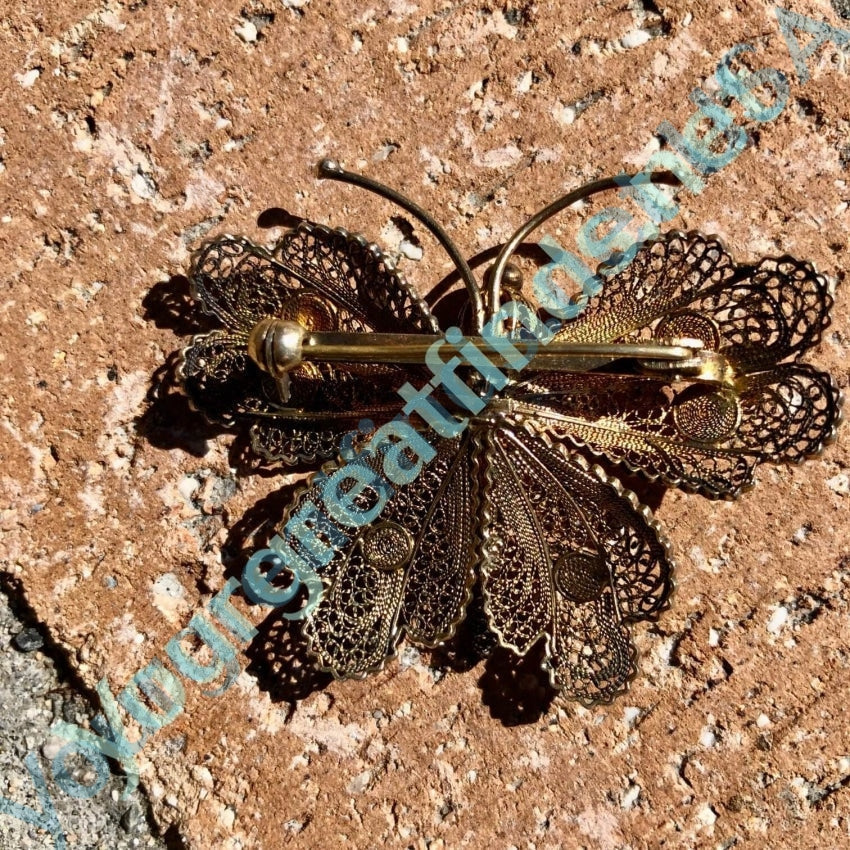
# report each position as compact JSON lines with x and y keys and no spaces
{"x":408,"y":571}
{"x":761,"y":318}
{"x":220,"y":379}
{"x":326,"y":280}
{"x":570,"y":556}
{"x":701,"y":438}
{"x":687,"y":285}
{"x":292,"y":441}
{"x":356,"y":276}
{"x":241,"y":283}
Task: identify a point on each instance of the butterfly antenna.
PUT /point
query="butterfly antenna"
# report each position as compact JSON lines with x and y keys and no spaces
{"x":331,"y":170}
{"x":498,"y":269}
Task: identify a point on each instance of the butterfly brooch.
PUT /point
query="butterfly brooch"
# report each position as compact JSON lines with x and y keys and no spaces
{"x":686,"y":368}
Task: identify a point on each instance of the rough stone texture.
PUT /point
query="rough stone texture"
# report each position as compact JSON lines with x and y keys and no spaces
{"x":33,"y":693}
{"x":129,"y":131}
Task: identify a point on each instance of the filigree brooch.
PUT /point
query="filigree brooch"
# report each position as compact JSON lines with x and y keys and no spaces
{"x":457,"y":463}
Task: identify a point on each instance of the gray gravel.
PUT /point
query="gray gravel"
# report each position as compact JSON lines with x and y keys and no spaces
{"x":842,"y":7}
{"x":32,"y":696}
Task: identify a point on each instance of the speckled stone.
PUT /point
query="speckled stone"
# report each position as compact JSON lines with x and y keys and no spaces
{"x":131,"y":131}
{"x":28,"y":640}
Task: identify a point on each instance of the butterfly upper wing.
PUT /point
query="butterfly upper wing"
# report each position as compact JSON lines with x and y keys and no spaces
{"x":326,"y":280}
{"x":410,"y":571}
{"x":763,"y":314}
{"x":240,"y":283}
{"x":356,"y":276}
{"x":760,"y":318}
{"x":568,"y":555}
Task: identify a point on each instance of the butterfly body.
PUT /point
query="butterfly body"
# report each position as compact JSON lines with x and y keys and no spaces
{"x":507,"y":502}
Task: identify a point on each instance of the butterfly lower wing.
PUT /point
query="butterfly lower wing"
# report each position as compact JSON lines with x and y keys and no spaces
{"x":696,"y":437}
{"x":441,"y":573}
{"x":410,"y":570}
{"x":568,"y":555}
{"x":590,"y":655}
